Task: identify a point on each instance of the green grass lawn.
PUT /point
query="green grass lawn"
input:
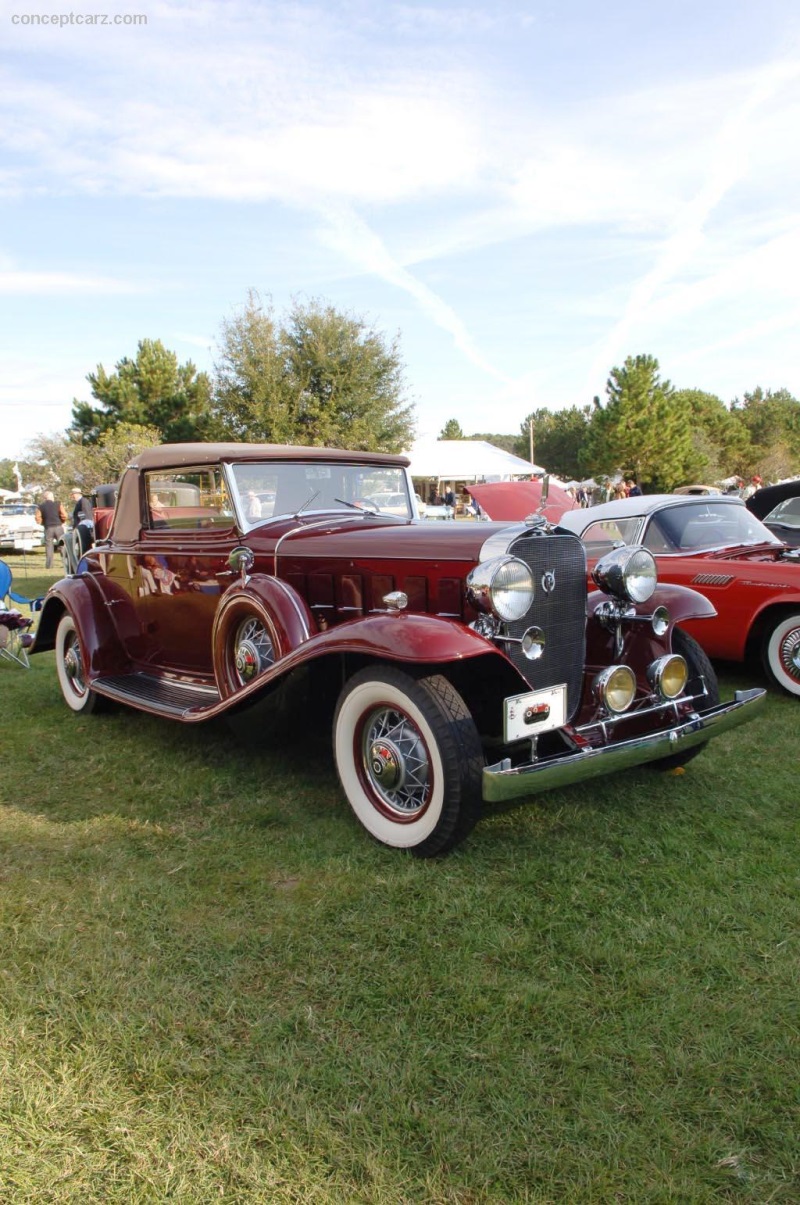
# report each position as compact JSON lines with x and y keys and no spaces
{"x":213,"y":986}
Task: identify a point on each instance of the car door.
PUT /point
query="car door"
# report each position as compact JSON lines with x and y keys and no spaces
{"x":181,"y":564}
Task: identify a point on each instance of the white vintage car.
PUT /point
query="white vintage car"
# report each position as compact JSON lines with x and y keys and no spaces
{"x":18,"y":527}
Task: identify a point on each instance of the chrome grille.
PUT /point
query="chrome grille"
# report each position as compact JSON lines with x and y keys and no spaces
{"x":557,"y":561}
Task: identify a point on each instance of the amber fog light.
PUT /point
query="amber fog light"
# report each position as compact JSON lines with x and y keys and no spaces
{"x":668,"y":676}
{"x":616,"y":688}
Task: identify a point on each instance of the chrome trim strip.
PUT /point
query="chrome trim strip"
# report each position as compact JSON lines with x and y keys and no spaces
{"x":502,"y":782}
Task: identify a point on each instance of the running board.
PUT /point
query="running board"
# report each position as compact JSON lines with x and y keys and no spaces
{"x":162,"y":695}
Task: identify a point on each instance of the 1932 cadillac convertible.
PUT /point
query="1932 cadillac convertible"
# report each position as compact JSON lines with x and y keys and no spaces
{"x":462,"y":663}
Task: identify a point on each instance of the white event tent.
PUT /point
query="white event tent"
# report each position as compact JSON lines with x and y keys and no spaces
{"x":466,"y":460}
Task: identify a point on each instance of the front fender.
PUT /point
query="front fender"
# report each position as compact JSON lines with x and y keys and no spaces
{"x":405,"y":636}
{"x":680,"y":601}
{"x":399,"y":636}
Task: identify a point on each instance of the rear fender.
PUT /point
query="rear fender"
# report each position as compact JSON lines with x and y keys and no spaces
{"x":83,"y":600}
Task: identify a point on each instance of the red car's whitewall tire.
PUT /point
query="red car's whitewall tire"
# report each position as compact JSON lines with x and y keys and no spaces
{"x":781,"y":654}
{"x":409,"y":759}
{"x":71,"y":670}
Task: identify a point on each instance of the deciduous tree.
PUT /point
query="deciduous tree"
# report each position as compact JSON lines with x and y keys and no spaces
{"x":61,"y":463}
{"x":720,"y":440}
{"x":318,"y":377}
{"x":558,"y":437}
{"x":772,"y":420}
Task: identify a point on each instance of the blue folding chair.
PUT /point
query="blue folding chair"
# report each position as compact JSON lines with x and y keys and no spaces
{"x":15,"y":635}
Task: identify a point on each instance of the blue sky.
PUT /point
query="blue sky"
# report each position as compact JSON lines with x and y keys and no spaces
{"x":526,"y":194}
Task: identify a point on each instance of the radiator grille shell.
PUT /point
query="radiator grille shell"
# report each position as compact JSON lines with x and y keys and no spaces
{"x":560,"y":612}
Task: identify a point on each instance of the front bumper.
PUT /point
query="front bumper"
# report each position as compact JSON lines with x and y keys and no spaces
{"x":502,"y":781}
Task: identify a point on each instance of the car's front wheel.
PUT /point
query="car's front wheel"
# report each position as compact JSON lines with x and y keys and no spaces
{"x":781,"y":653}
{"x":409,"y":759}
{"x":71,"y":669}
{"x":702,"y":677}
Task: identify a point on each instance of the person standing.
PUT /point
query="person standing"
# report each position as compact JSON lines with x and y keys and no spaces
{"x":52,"y":516}
{"x":83,"y":519}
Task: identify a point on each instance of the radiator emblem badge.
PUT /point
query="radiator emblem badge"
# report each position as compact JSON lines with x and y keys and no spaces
{"x":549,"y":581}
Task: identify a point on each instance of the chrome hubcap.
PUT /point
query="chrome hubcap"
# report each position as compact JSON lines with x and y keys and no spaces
{"x":395,"y":762}
{"x":790,"y":653}
{"x":253,"y":651}
{"x":73,"y":667}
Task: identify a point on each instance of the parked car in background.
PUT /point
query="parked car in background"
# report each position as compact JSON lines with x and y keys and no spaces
{"x":701,"y":490}
{"x":717,"y":546}
{"x":515,"y":500}
{"x":18,"y":527}
{"x":459,"y":664}
{"x":78,"y":540}
{"x":778,"y":508}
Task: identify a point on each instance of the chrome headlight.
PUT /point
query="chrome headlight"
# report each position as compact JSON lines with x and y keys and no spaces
{"x":628,"y":574}
{"x":615,"y":687}
{"x":503,"y":585}
{"x":668,"y":675}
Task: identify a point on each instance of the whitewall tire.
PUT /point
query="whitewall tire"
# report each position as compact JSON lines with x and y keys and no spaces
{"x":71,"y":668}
{"x":409,"y":759}
{"x":781,"y":654}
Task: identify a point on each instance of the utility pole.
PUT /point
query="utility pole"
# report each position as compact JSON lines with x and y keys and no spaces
{"x":530,"y":433}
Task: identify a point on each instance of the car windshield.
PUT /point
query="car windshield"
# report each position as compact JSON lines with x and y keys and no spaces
{"x":786,"y":514}
{"x":268,"y":490}
{"x":704,"y":526}
{"x":600,"y":537}
{"x":17,"y":508}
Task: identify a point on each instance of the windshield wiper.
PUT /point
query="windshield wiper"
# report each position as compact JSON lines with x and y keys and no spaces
{"x":307,"y":502}
{"x":362,"y":510}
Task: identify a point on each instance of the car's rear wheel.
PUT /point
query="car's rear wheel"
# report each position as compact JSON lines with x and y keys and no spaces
{"x":71,"y":669}
{"x":409,"y":759}
{"x":701,"y":677}
{"x":781,"y":653}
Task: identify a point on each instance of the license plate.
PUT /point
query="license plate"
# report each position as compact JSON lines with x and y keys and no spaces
{"x":539,"y":711}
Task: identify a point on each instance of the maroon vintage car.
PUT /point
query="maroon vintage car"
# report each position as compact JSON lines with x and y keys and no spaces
{"x":461,"y":662}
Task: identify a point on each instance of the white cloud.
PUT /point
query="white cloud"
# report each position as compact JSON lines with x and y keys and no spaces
{"x":347,"y":233}
{"x":33,"y":283}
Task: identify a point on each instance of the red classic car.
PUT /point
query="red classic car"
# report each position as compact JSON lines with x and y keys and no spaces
{"x":461,"y":662}
{"x":717,"y":546}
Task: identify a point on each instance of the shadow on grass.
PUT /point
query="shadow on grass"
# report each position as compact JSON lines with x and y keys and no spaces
{"x":143,"y":769}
